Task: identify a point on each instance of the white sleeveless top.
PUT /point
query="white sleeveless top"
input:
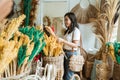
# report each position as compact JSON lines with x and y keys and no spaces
{"x":75,"y":35}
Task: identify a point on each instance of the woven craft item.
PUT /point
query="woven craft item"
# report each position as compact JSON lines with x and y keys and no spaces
{"x":76,"y":63}
{"x":116,"y":72}
{"x":88,"y":66}
{"x":58,"y":61}
{"x":102,"y":72}
{"x":84,"y":14}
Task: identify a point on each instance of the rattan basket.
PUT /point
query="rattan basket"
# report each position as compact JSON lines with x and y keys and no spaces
{"x":76,"y":63}
{"x":58,"y":61}
{"x":88,"y":66}
{"x":103,"y":72}
{"x":116,"y":72}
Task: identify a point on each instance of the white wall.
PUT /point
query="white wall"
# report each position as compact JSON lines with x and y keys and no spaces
{"x":55,"y":9}
{"x":118,"y":31}
{"x":58,"y":8}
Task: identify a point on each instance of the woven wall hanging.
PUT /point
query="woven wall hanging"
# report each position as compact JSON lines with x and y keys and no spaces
{"x":84,"y":14}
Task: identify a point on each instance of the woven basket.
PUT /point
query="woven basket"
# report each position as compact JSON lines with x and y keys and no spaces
{"x":76,"y":63}
{"x":60,"y":73}
{"x":116,"y":72}
{"x":58,"y":61}
{"x":33,"y":67}
{"x":88,"y":66}
{"x":102,"y":72}
{"x":91,"y":57}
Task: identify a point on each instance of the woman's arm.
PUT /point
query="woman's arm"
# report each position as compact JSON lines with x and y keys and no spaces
{"x":71,"y":44}
{"x":50,"y":31}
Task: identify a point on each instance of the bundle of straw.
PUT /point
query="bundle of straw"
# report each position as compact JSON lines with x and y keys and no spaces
{"x":109,"y":10}
{"x":52,"y":48}
{"x":104,"y":22}
{"x":8,"y":48}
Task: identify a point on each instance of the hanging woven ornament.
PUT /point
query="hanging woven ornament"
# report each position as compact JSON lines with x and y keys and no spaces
{"x":29,"y":8}
{"x":33,"y":12}
{"x":84,"y":14}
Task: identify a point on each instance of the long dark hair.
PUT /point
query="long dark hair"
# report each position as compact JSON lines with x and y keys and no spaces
{"x":73,"y":20}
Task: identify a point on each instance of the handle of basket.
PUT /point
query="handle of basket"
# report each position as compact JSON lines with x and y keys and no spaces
{"x":45,"y":70}
{"x":39,"y":66}
{"x":53,"y":73}
{"x":64,"y":54}
{"x":39,"y":63}
{"x":75,"y":76}
{"x":81,"y":47}
{"x":83,"y":52}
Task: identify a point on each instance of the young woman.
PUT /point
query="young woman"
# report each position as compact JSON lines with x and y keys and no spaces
{"x":71,"y":41}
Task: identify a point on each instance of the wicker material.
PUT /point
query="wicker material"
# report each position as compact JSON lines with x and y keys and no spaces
{"x":60,"y":74}
{"x":102,"y":72}
{"x":76,"y":77}
{"x":90,"y":57}
{"x":58,"y":61}
{"x":116,"y":72}
{"x":88,"y":68}
{"x":33,"y":67}
{"x":76,"y":63}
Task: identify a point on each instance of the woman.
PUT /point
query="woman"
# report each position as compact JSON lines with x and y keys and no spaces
{"x":71,"y":41}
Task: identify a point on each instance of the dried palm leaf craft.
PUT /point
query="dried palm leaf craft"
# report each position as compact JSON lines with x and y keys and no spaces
{"x":84,"y":14}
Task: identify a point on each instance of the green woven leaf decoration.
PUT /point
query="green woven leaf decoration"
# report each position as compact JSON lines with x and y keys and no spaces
{"x":27,"y":9}
{"x":22,"y":54}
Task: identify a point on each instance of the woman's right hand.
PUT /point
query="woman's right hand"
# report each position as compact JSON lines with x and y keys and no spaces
{"x":50,"y":30}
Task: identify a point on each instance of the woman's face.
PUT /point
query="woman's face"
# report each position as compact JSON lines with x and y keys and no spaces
{"x":67,"y":21}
